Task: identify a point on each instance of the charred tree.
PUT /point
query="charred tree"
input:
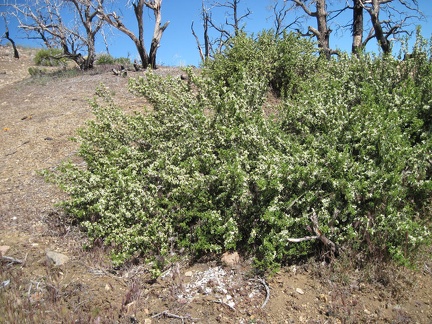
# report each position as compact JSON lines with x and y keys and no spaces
{"x":147,"y":59}
{"x":7,"y":36}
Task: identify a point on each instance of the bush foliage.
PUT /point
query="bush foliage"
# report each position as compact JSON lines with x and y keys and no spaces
{"x":210,"y":168}
{"x":50,"y":57}
{"x":108,"y":59}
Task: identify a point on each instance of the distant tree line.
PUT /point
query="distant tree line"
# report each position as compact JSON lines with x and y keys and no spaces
{"x":73,"y":25}
{"x":387,"y":20}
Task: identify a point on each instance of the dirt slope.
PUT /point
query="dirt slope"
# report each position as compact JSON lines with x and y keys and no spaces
{"x":38,"y":116}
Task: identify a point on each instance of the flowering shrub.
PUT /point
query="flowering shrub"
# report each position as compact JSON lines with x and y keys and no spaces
{"x":208,"y":169}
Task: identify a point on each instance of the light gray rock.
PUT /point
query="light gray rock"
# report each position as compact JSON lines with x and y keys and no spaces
{"x":56,"y":258}
{"x":300,"y":291}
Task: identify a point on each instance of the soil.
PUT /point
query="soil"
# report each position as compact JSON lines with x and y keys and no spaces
{"x":38,"y":117}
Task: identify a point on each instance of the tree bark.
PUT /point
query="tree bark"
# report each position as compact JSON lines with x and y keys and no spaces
{"x":357,"y":27}
{"x":379,"y":33}
{"x":16,"y":54}
{"x":138,"y":6}
{"x":322,"y":32}
{"x":157,"y":33}
{"x":205,"y":16}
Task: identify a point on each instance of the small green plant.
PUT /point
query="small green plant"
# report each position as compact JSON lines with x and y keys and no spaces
{"x":50,"y":57}
{"x":104,"y":59}
{"x":36,"y":71}
{"x":122,"y":60}
{"x":108,"y":59}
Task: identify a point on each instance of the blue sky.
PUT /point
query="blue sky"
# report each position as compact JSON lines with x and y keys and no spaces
{"x":178,"y":46}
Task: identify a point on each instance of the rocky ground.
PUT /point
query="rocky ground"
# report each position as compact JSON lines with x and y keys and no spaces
{"x":47,"y":276}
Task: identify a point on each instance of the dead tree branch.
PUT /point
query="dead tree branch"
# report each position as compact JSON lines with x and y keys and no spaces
{"x":166,"y":313}
{"x":318,"y":235}
{"x":267,"y":290}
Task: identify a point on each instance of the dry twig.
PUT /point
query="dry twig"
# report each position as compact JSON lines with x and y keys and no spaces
{"x":319,"y":235}
{"x":170,"y":315}
{"x":223,"y":303}
{"x":267,"y":289}
{"x":12,"y":260}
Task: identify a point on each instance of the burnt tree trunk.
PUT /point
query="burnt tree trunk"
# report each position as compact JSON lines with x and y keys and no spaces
{"x":139,"y":42}
{"x":157,"y":33}
{"x":357,"y":27}
{"x":379,"y":33}
{"x":16,"y":54}
{"x":322,"y":32}
{"x":138,"y":7}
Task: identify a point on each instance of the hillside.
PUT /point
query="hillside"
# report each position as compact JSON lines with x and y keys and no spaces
{"x":39,"y":116}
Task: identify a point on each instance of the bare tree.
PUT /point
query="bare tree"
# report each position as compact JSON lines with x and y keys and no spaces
{"x":7,"y":36}
{"x":88,"y":18}
{"x":205,"y":16}
{"x":396,"y":19}
{"x":231,"y":27}
{"x":387,"y":21}
{"x":322,"y":32}
{"x":280,"y":15}
{"x":236,"y":18}
{"x":147,"y":59}
{"x":44,"y":20}
{"x":233,"y":21}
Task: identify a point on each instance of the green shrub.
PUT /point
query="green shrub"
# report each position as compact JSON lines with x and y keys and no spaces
{"x":34,"y":71}
{"x":122,"y":61}
{"x":108,"y":59}
{"x":104,"y":59}
{"x":278,"y":61}
{"x":49,"y":57}
{"x":208,"y":171}
{"x":366,"y":132}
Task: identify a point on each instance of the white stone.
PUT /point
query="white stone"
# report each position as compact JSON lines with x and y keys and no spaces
{"x":300,"y":291}
{"x":57,"y":258}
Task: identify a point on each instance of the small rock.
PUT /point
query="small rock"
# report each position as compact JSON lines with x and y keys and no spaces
{"x":299,"y":291}
{"x":230,"y":259}
{"x":227,"y":298}
{"x":48,"y":138}
{"x":5,"y":283}
{"x":57,"y":258}
{"x":107,"y":287}
{"x":367,"y":312}
{"x":397,"y":307}
{"x":147,"y":321}
{"x":4,"y":249}
{"x":188,"y":274}
{"x":231,"y":304}
{"x":323,"y":298}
